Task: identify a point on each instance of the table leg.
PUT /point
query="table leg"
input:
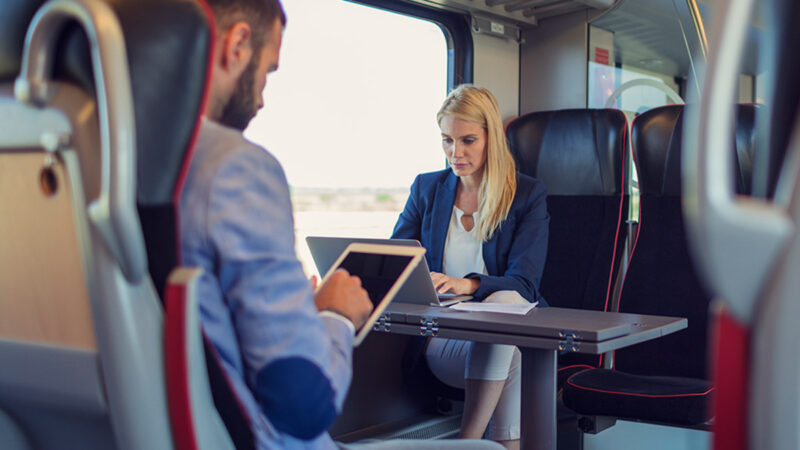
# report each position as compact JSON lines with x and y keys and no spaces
{"x":538,"y":421}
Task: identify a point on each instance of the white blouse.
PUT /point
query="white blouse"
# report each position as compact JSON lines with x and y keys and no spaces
{"x":463,"y":251}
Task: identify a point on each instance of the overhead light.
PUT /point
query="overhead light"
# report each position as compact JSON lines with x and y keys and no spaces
{"x":651,"y":63}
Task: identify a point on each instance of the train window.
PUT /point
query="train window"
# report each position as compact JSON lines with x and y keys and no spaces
{"x":351,"y":115}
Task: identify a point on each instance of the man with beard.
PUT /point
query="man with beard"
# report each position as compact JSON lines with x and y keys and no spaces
{"x":285,"y":350}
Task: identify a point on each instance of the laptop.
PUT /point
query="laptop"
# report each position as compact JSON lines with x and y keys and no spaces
{"x":382,"y":269}
{"x":418,"y":289}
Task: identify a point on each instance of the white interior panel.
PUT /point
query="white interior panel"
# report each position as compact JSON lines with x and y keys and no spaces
{"x":554,"y":60}
{"x":497,"y":69}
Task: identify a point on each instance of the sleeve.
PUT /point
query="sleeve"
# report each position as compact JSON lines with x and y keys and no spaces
{"x":409,"y":224}
{"x":528,"y":252}
{"x":297,"y":363}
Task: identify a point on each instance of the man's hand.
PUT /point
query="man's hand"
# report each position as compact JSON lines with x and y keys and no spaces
{"x":343,"y":294}
{"x":460,"y":286}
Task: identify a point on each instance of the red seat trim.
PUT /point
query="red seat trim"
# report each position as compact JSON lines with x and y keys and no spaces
{"x":176,"y":364}
{"x":730,"y":362}
{"x":630,"y":394}
{"x":576,"y":365}
{"x":622,"y":194}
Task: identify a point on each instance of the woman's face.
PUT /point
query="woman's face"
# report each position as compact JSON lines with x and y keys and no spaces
{"x":464,"y":145}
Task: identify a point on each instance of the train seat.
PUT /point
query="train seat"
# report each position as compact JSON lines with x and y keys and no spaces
{"x":580,"y":156}
{"x":99,"y":105}
{"x":665,"y":380}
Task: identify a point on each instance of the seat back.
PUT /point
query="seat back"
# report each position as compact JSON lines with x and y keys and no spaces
{"x":662,"y":278}
{"x":745,"y":133}
{"x":90,"y":109}
{"x":579,"y":154}
{"x":754,"y":270}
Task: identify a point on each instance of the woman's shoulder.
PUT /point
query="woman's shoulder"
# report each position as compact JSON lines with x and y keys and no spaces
{"x":530,"y":186}
{"x":530,"y":197}
{"x":429,"y":178}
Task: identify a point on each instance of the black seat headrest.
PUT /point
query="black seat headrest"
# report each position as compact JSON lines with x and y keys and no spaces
{"x":573,"y":151}
{"x":657,"y":137}
{"x":14,"y":20}
{"x":168,"y":53}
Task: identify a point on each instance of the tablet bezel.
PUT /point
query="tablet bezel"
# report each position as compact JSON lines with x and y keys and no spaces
{"x":416,"y":254}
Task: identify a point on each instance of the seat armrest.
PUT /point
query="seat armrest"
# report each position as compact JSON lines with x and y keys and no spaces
{"x":194,"y":420}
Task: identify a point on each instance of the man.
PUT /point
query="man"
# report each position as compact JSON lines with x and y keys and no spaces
{"x":286,"y":351}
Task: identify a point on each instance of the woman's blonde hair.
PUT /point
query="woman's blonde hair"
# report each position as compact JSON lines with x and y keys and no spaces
{"x":496,"y":191}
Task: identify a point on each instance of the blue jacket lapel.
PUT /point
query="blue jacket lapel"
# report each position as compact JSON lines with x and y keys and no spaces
{"x":490,"y":253}
{"x":443,"y":201}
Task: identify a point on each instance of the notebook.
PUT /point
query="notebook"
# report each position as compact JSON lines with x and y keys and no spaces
{"x":382,"y":270}
{"x":418,"y":289}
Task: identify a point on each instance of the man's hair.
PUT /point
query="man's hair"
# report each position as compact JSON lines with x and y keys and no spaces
{"x":259,"y":14}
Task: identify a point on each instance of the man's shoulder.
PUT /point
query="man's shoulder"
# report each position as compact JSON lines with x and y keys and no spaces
{"x":222,"y":144}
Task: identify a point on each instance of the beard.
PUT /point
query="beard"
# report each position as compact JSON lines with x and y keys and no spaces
{"x":241,"y":107}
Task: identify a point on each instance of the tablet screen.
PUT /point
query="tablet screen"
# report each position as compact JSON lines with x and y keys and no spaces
{"x":382,"y":269}
{"x":378,"y":272}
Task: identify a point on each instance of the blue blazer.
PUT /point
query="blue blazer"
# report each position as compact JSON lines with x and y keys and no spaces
{"x":515,"y":254}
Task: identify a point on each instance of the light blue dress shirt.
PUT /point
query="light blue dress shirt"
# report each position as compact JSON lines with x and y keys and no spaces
{"x":290,"y":365}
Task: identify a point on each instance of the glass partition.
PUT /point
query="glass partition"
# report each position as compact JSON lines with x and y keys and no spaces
{"x":643,"y":54}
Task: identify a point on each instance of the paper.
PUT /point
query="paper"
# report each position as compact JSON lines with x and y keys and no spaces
{"x":504,"y":308}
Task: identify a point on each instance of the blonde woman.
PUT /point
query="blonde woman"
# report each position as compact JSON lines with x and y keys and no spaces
{"x":485,"y":228}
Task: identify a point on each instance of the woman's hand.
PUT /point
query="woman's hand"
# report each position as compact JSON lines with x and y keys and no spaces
{"x":314,"y":282}
{"x":461,"y":286}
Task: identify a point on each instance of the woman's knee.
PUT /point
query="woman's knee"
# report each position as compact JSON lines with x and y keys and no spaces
{"x":507,"y":297}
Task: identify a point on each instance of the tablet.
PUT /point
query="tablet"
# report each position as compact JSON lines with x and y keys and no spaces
{"x":417,"y":289}
{"x":382,"y":270}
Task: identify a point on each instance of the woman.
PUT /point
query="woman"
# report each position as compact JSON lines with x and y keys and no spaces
{"x":485,"y":229}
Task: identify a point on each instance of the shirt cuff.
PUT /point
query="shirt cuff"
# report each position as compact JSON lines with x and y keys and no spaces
{"x":337,"y":316}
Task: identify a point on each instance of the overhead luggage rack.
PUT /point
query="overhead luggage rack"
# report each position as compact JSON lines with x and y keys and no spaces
{"x":522,"y":13}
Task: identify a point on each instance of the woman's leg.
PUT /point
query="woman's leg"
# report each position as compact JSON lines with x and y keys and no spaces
{"x":480,"y":400}
{"x":505,"y":424}
{"x":447,"y":360}
{"x":499,"y":401}
{"x":483,"y":370}
{"x":492,"y":391}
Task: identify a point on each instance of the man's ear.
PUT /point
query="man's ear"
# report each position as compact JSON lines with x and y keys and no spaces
{"x":237,"y":49}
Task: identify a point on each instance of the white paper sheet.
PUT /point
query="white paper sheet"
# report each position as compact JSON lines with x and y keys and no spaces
{"x":504,"y":308}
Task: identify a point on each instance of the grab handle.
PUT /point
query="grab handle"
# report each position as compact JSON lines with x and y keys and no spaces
{"x":736,"y":240}
{"x":113,"y":212}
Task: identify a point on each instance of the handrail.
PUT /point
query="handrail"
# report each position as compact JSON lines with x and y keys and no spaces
{"x":113,"y":212}
{"x":736,"y":239}
{"x":671,"y":94}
